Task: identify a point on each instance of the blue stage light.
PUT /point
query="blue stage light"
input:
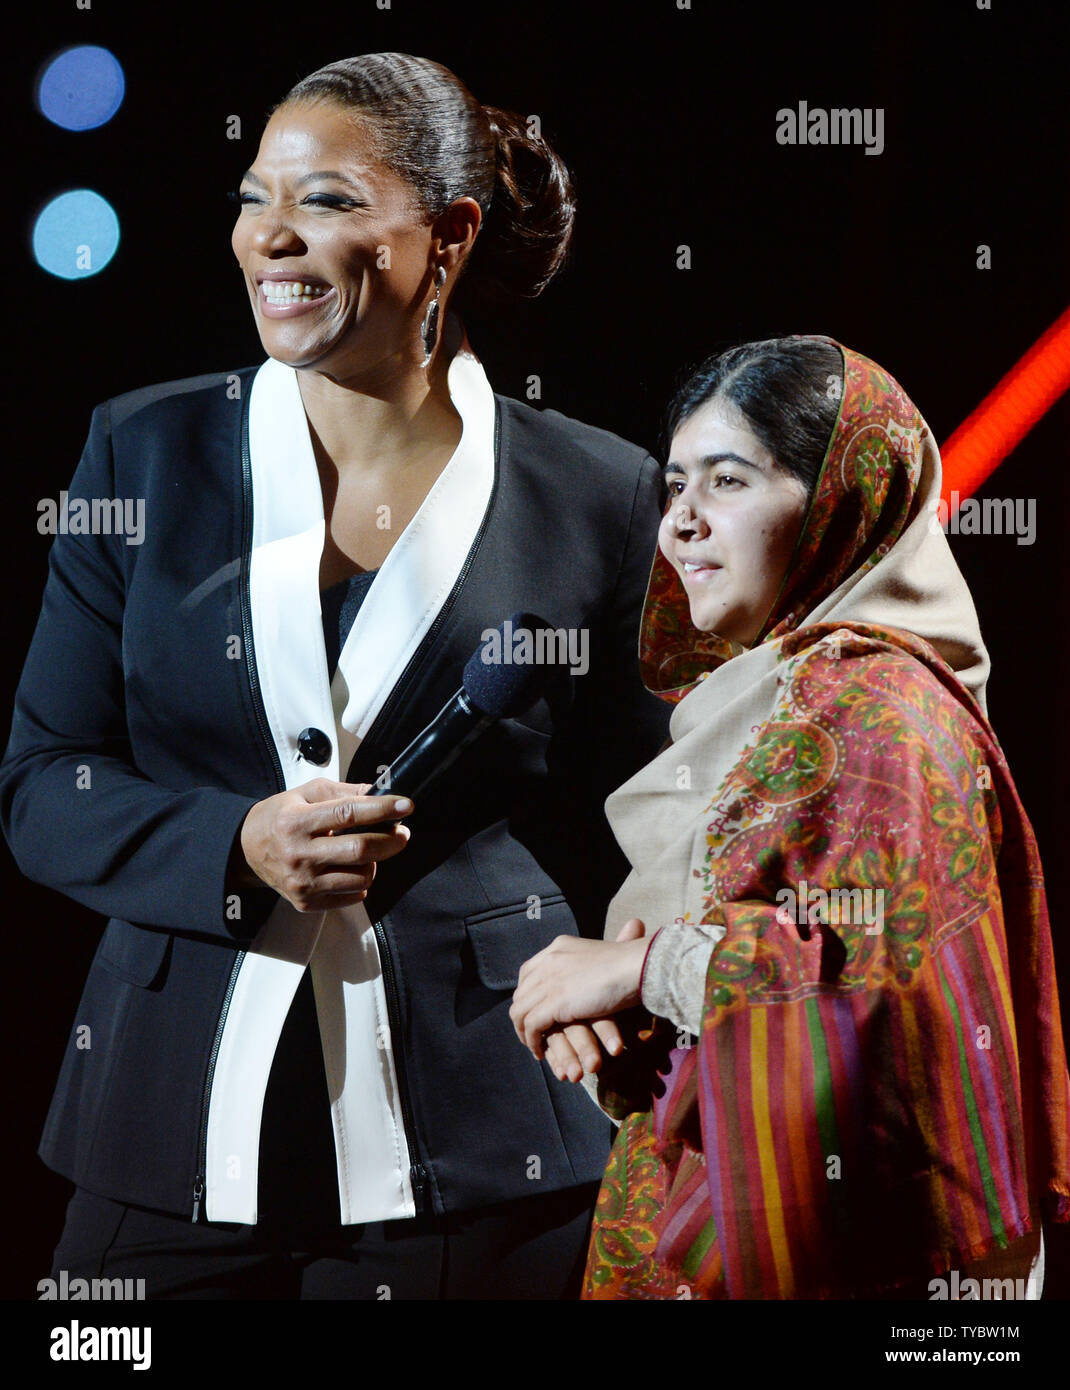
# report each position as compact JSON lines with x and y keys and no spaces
{"x":81,"y":88}
{"x":76,"y":234}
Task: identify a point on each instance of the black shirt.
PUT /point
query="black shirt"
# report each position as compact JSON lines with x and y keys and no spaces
{"x":339,"y":606}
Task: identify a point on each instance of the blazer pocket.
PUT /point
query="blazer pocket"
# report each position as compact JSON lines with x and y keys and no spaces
{"x":133,"y":953}
{"x":502,"y":940}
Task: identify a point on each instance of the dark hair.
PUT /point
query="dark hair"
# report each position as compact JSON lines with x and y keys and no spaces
{"x":787,"y":389}
{"x":432,"y":132}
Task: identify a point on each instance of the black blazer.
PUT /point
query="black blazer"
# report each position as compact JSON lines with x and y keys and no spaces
{"x":137,"y":749}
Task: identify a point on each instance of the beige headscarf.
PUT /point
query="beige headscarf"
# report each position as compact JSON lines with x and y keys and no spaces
{"x":891,"y":568}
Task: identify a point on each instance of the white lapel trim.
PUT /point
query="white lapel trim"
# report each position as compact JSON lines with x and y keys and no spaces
{"x":406,"y":596}
{"x":423,"y":565}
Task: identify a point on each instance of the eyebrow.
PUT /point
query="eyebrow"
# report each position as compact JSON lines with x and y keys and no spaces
{"x":250,"y":177}
{"x":709,"y":461}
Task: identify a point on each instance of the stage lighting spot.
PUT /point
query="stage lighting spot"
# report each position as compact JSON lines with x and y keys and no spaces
{"x":76,"y":234}
{"x":81,"y":88}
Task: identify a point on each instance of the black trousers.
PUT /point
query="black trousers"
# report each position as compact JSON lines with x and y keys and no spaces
{"x":534,"y":1248}
{"x":531,"y":1248}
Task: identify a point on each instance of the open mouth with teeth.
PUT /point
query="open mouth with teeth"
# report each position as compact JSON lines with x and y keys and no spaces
{"x":280,"y":294}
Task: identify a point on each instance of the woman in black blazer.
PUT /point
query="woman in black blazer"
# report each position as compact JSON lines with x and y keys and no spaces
{"x":294,"y":1039}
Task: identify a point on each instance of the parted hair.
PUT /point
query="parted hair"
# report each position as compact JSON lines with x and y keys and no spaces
{"x":787,"y":389}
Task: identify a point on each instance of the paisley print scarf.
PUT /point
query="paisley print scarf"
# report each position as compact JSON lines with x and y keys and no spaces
{"x":879,"y":1091}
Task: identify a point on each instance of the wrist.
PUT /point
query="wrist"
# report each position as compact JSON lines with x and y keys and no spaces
{"x":240,"y":872}
{"x":633,"y":965}
{"x":648,"y":942}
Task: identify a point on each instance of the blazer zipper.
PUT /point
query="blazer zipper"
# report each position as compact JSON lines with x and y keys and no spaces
{"x":394,"y":698}
{"x":245,"y":601}
{"x":245,"y":598}
{"x":418,"y":1174}
{"x":202,"y":1151}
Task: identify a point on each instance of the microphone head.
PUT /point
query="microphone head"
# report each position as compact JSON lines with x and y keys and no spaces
{"x":504,"y":675}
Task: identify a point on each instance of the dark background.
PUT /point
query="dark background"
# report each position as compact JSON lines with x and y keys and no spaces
{"x":667,"y":119}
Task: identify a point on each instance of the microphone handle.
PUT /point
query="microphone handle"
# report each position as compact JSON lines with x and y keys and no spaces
{"x":457,"y":724}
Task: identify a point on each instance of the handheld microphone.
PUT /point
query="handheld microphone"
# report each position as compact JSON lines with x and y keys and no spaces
{"x":489,"y":691}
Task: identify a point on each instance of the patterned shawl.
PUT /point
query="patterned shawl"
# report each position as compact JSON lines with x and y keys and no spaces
{"x":879,"y":1092}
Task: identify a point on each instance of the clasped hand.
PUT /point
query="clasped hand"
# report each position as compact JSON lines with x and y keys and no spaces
{"x":566,"y":995}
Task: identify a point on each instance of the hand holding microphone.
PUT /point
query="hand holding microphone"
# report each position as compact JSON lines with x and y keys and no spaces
{"x":317,"y":845}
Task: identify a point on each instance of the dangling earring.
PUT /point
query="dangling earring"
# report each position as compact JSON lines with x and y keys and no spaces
{"x":429,"y":327}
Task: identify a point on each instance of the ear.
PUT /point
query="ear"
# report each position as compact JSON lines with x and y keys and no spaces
{"x":453,"y":233}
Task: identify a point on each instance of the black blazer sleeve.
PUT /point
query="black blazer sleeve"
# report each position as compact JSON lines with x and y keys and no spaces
{"x":76,"y":812}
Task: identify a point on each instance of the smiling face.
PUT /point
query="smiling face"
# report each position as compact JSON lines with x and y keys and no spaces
{"x":732,"y":522}
{"x":318,"y":209}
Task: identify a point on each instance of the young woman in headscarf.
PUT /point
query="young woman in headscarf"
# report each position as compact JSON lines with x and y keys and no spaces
{"x":877,"y":1091}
